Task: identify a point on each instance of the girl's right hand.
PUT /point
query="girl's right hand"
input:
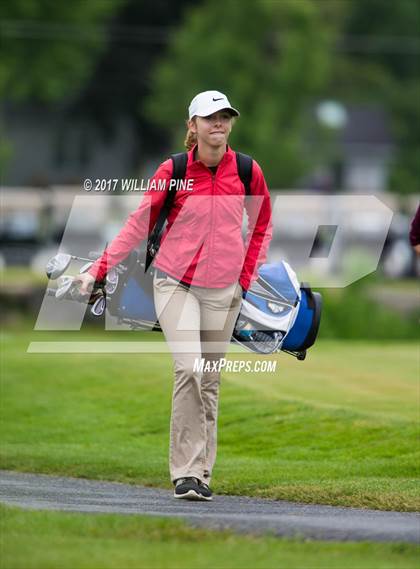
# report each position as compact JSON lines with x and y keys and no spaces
{"x":86,"y":280}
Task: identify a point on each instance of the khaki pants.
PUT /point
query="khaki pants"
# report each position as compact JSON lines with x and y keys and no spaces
{"x":197,"y":323}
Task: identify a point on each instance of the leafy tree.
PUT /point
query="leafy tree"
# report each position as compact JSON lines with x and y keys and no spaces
{"x":47,"y":51}
{"x":121,"y":79}
{"x":48,"y":48}
{"x":92,"y":59}
{"x":380,"y":65}
{"x":270,"y":58}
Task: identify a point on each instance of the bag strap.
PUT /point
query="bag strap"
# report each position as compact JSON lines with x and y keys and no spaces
{"x":179,"y":163}
{"x":179,"y":169}
{"x":244,"y":164}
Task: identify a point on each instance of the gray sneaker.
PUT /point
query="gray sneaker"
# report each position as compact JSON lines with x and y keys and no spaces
{"x":188,"y":488}
{"x":205,"y":491}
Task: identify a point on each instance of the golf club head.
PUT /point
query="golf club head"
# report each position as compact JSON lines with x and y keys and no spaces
{"x":57,"y":265}
{"x":112,"y":279}
{"x":98,"y":307}
{"x":64,"y":285}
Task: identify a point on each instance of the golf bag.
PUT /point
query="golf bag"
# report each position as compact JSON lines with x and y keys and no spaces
{"x":276,"y":314}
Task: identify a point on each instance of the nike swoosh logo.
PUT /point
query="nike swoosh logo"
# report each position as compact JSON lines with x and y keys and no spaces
{"x":221,"y":99}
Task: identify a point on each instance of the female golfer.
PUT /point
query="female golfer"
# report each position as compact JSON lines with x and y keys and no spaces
{"x":201,"y":270}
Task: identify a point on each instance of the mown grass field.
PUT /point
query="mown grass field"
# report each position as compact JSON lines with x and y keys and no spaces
{"x":339,"y":428}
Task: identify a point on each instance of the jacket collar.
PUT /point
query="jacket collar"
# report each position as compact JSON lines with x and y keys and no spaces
{"x":227,"y":156}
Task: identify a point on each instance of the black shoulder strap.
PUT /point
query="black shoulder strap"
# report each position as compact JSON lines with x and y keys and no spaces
{"x":179,"y":162}
{"x":179,"y":168}
{"x":244,"y":164}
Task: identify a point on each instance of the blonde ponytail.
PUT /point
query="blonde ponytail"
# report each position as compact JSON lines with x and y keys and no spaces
{"x":190,"y":138}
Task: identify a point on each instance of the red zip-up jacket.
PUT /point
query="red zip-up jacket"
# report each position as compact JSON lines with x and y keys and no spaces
{"x":202,"y":243}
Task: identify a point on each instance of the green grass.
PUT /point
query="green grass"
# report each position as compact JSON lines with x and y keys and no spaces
{"x":400,"y":285}
{"x":354,"y":313}
{"x":47,"y":540}
{"x":339,"y":428}
{"x":16,"y":277}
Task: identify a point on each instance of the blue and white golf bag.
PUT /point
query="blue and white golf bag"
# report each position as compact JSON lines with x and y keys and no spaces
{"x":276,"y":314}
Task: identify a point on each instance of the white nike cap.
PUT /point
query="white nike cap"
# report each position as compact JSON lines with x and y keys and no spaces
{"x":209,"y":102}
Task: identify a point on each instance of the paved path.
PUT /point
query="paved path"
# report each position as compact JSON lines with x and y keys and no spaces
{"x":242,"y":514}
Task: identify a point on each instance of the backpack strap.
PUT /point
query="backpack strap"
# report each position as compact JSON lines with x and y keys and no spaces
{"x":179,"y":169}
{"x":244,"y":164}
{"x":179,"y":163}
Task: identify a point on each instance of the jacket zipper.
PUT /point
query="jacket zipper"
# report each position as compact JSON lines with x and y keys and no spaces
{"x":213,"y":181}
